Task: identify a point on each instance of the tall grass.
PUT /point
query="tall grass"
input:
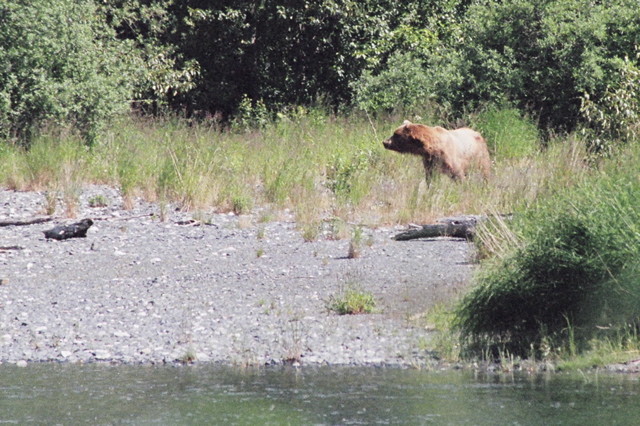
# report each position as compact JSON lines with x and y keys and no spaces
{"x":509,"y":135}
{"x":564,"y":272}
{"x":318,"y":165}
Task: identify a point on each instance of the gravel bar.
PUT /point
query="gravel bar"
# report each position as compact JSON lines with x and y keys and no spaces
{"x":227,"y":290}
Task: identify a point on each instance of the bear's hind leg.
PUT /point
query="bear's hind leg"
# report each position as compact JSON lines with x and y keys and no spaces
{"x":456,"y":173}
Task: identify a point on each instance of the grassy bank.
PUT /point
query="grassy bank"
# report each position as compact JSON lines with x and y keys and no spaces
{"x":317,"y":165}
{"x":560,"y":281}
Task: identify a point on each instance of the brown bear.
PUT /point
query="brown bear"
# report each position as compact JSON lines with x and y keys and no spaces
{"x":451,"y":151}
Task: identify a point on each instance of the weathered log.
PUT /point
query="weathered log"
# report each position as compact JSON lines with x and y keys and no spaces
{"x":7,"y":248}
{"x":33,"y":221}
{"x":456,"y":227}
{"x":75,"y":230}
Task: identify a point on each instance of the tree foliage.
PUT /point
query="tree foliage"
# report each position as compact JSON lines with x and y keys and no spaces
{"x":165,"y":73}
{"x":544,"y":55}
{"x":80,"y":62}
{"x":284,"y":52}
{"x":278,"y":52}
{"x":616,"y":116}
{"x":59,"y":62}
{"x":541,"y":56}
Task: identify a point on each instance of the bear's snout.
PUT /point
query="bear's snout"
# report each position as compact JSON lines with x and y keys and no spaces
{"x":387,"y":143}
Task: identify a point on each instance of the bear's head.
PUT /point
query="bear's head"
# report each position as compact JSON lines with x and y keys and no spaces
{"x":406,"y":139}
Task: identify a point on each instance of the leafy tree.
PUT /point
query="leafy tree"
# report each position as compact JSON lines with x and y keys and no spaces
{"x":285,"y":52}
{"x":615,"y":118}
{"x":416,"y":63}
{"x":280,"y":52}
{"x":147,"y":24}
{"x":403,"y":86}
{"x":541,"y":56}
{"x":60,"y":62}
{"x":544,"y":55}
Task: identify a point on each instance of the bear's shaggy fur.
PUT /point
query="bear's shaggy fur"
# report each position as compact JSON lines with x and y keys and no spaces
{"x":453,"y":152}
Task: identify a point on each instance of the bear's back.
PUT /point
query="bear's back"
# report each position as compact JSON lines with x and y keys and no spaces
{"x":468,"y":141}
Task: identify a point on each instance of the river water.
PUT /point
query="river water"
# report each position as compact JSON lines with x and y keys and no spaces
{"x":197,"y":395}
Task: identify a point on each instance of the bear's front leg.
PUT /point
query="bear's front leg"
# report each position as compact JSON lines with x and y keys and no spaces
{"x":429,"y":166}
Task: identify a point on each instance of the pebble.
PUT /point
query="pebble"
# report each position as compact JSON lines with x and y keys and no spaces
{"x":137,"y":290}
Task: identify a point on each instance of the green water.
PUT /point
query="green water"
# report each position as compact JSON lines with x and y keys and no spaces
{"x":102,"y":394}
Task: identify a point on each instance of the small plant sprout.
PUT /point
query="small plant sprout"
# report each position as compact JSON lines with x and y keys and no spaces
{"x":355,"y":246}
{"x":310,"y":232}
{"x":163,"y":210}
{"x":98,"y":201}
{"x":189,"y":357}
{"x":71,"y":196}
{"x":241,"y":204}
{"x":260,"y":233}
{"x":293,"y":344}
{"x":51,"y":202}
{"x":352,"y":300}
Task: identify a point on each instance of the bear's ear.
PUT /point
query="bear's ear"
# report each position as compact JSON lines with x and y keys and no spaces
{"x":407,"y":127}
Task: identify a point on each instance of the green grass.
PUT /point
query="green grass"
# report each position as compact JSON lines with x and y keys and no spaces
{"x":564,"y":272}
{"x":619,"y":348}
{"x":509,"y":135}
{"x":352,"y":300}
{"x":319,"y":166}
{"x":98,"y":201}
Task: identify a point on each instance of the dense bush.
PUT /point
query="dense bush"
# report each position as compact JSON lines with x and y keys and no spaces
{"x":287,"y":53}
{"x":542,"y":56}
{"x":404,"y":86}
{"x":166,"y":74}
{"x":279,"y":52}
{"x":59,"y":62}
{"x":559,"y":61}
{"x":567,"y":273}
{"x":615,"y":119}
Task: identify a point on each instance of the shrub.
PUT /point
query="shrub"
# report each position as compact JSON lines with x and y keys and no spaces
{"x":544,"y":55}
{"x":541,"y":56}
{"x":570,"y":276}
{"x":403,"y":86}
{"x":616,"y":115}
{"x":342,"y":172}
{"x":60,"y":62}
{"x":250,"y":115}
{"x":98,"y":201}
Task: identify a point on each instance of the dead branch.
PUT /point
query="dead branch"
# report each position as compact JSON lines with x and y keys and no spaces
{"x":33,"y":221}
{"x":7,"y":248}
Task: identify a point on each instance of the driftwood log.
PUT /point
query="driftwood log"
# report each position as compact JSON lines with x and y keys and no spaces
{"x":75,"y":230}
{"x":456,"y":227}
{"x":25,"y":222}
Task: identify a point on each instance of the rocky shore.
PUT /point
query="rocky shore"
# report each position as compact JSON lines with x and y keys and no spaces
{"x":217,"y":288}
